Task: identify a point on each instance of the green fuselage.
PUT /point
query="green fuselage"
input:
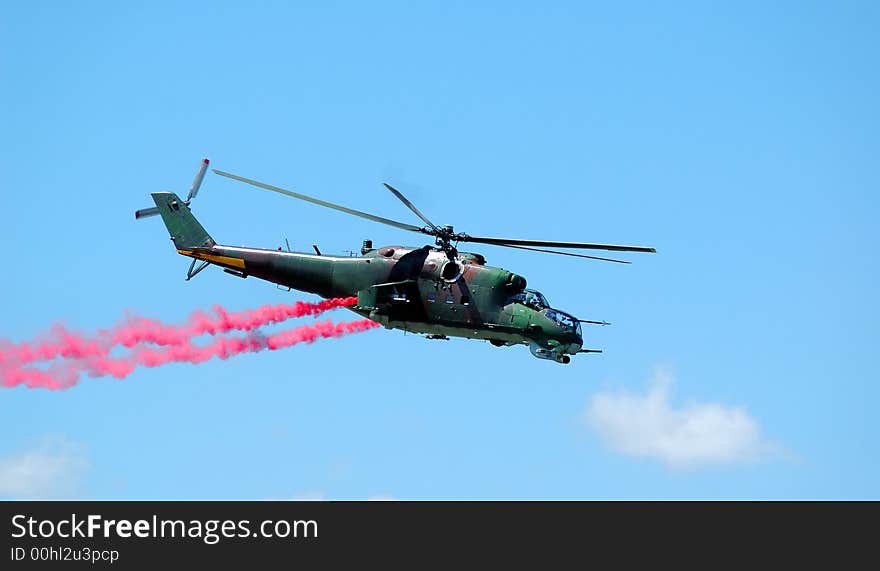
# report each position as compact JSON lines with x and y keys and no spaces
{"x":420,"y":290}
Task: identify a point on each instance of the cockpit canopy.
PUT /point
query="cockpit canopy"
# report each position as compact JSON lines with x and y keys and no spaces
{"x":531,"y":298}
{"x":565,"y":320}
{"x":536,"y":300}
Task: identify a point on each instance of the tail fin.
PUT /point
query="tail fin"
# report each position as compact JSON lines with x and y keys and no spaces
{"x":185,"y":230}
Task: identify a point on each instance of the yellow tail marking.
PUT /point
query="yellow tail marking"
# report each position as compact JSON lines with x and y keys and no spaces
{"x":223,"y":260}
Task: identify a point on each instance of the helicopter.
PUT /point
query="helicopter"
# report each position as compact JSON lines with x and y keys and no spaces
{"x":435,"y":290}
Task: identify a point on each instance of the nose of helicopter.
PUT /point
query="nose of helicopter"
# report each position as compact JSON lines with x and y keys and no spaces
{"x":574,"y":346}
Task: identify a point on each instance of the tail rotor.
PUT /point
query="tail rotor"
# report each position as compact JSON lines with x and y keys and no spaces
{"x":193,"y":191}
{"x":197,"y":181}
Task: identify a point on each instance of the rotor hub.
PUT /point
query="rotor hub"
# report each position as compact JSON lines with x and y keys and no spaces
{"x":444,"y":236}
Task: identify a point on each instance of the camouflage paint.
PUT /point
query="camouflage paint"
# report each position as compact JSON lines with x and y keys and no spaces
{"x":419,"y":290}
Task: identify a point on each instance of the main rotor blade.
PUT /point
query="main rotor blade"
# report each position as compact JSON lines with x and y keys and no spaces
{"x":401,"y":225}
{"x":411,"y":206}
{"x":535,"y":243}
{"x":564,"y":253}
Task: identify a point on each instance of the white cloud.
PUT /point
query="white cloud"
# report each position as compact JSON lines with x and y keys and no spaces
{"x":700,"y":434}
{"x":54,"y":469}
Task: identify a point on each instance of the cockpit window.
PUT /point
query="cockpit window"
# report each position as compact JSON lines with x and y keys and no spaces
{"x":536,"y":300}
{"x":530,"y":298}
{"x":565,"y":320}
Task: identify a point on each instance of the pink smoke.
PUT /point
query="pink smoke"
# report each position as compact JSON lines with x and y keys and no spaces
{"x":174,"y":344}
{"x":62,"y":343}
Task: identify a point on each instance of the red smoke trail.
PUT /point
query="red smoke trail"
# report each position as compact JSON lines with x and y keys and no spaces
{"x":62,"y":343}
{"x":225,"y":347}
{"x":65,"y":374}
{"x":91,"y":356}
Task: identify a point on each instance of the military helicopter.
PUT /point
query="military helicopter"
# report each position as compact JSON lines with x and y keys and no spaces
{"x":435,"y":290}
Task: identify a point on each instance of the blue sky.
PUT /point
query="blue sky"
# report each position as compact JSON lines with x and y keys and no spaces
{"x":739,"y":139}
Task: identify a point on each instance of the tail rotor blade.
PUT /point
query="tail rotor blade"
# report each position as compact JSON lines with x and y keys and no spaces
{"x":145,"y":213}
{"x":197,"y":181}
